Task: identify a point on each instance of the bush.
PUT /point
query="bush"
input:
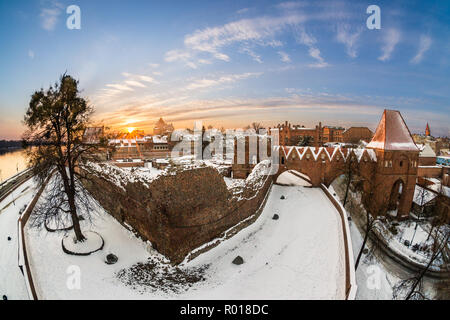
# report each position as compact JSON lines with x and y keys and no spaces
{"x":393,"y":229}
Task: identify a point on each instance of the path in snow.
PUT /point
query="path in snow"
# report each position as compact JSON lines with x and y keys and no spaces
{"x":298,"y":256}
{"x":12,"y":283}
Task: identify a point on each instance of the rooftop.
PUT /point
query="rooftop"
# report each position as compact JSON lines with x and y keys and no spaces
{"x":392,"y":133}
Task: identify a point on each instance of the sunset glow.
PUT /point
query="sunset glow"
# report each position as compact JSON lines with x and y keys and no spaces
{"x":130,"y":129}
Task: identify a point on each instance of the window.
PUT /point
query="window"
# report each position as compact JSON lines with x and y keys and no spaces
{"x":282,"y":160}
{"x":401,"y":163}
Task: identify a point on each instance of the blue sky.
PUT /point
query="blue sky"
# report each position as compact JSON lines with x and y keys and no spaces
{"x":229,"y":63}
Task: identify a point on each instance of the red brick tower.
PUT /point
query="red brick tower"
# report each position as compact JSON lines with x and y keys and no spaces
{"x":427,"y":130}
{"x":397,"y":157}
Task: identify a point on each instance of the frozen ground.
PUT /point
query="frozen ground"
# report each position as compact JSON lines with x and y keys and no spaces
{"x":12,"y":283}
{"x":298,"y":256}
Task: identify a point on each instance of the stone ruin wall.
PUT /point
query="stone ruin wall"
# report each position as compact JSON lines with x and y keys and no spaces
{"x":178,"y":213}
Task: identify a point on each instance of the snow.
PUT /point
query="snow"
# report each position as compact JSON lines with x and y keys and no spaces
{"x":374,"y":281}
{"x":422,"y":196}
{"x":289,"y":179}
{"x":299,"y":256}
{"x":12,"y":282}
{"x":427,"y":152}
{"x":420,"y":248}
{"x":92,"y":242}
{"x":234,"y":183}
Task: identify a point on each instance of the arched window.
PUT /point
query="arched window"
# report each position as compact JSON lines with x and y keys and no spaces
{"x":401,"y":163}
{"x":282,"y":160}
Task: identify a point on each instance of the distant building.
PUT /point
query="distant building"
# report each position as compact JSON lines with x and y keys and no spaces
{"x":332,"y":134}
{"x":427,"y":131}
{"x":93,"y":135}
{"x":291,"y":135}
{"x":427,"y":157}
{"x":162,"y":128}
{"x":356,"y":134}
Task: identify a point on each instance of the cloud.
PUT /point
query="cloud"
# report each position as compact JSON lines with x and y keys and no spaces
{"x":134,"y":83}
{"x":178,"y":55}
{"x":252,"y":54}
{"x":242,"y":11}
{"x":138,"y":77}
{"x":347,"y":38}
{"x":186,"y":109}
{"x":308,"y":40}
{"x":290,"y":5}
{"x":424,"y":45}
{"x":31,"y":54}
{"x":205,"y":83}
{"x":284,"y":56}
{"x":119,"y":87}
{"x":391,"y":38}
{"x":146,"y":79}
{"x":153,"y":65}
{"x":259,"y":30}
{"x":49,"y":15}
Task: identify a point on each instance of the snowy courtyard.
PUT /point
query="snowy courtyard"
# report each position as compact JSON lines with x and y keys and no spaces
{"x":300,"y":255}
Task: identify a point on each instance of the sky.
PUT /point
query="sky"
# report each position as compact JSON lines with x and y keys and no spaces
{"x":230,"y":63}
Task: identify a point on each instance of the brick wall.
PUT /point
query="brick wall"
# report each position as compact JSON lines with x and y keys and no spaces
{"x":178,"y":213}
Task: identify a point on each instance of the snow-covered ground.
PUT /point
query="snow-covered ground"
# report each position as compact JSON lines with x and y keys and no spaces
{"x":298,"y":256}
{"x":289,"y":179}
{"x":373,"y":280}
{"x":12,"y":282}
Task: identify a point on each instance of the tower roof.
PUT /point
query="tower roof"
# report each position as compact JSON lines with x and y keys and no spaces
{"x":392,"y":133}
{"x":427,"y":130}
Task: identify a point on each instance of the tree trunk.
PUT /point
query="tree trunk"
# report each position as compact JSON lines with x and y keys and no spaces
{"x":369,"y":225}
{"x":348,"y":186}
{"x":75,"y":220}
{"x":70,"y":192}
{"x":366,"y":236}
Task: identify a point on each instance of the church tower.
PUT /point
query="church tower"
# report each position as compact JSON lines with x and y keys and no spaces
{"x":397,"y":161}
{"x":427,"y":131}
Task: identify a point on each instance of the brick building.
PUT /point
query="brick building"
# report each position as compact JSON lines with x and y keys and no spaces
{"x":388,"y":165}
{"x":397,"y":162}
{"x":291,"y":135}
{"x":355,"y":134}
{"x":162,"y":128}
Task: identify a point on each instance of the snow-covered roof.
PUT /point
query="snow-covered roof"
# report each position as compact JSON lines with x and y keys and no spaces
{"x":392,"y":133}
{"x":159,"y":139}
{"x":427,"y":152}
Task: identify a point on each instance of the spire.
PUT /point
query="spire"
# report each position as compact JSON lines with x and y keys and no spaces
{"x":427,"y":130}
{"x":392,"y":133}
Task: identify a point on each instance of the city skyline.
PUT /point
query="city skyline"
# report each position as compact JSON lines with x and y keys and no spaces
{"x":262,"y":61}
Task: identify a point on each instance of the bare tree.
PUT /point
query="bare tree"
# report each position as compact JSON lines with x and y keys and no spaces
{"x":412,"y":287}
{"x":56,"y":120}
{"x":350,"y":170}
{"x":437,"y":217}
{"x":374,"y":211}
{"x":256,"y":126}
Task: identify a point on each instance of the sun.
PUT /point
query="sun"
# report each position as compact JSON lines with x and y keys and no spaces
{"x":130,"y":129}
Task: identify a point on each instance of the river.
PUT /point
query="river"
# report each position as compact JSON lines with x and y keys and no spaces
{"x":12,"y":162}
